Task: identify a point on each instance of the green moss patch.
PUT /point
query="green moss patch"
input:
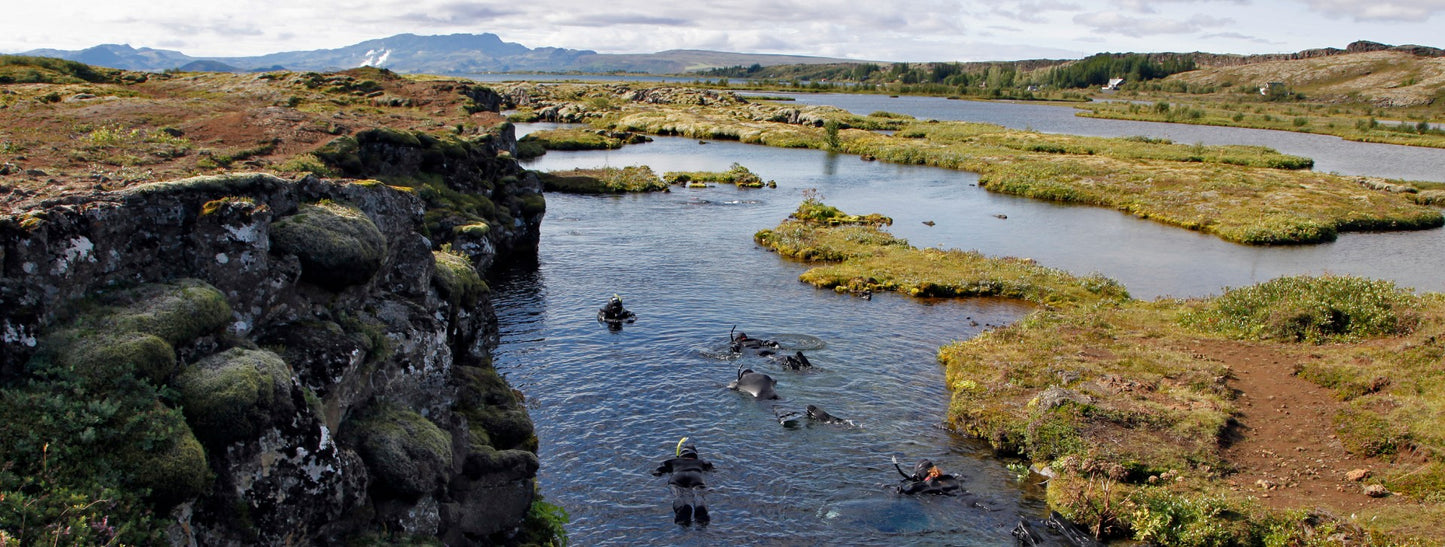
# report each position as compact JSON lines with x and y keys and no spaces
{"x":108,"y":355}
{"x":407,"y":454}
{"x":457,"y":279}
{"x":235,"y":394}
{"x":338,"y":245}
{"x":176,"y":312}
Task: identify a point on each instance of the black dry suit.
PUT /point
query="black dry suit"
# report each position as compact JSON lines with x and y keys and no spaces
{"x":926,"y":479}
{"x":687,"y":485}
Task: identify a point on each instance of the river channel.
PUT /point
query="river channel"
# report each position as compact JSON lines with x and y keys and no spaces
{"x":610,"y":405}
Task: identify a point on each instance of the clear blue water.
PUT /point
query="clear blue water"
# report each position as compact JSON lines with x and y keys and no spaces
{"x":610,"y":405}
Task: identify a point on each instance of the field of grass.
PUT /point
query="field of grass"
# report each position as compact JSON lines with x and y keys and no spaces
{"x":1244,"y":194}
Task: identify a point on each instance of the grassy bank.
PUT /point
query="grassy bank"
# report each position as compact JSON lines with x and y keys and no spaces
{"x":860,"y":257}
{"x":1244,"y":194}
{"x":1114,"y":396}
{"x":1361,"y":126}
{"x":606,"y":180}
{"x":737,"y":175}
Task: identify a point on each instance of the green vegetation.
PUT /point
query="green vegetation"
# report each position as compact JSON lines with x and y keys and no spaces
{"x":606,"y":180}
{"x":864,"y":258}
{"x":20,"y":69}
{"x":737,"y":175}
{"x":95,"y":448}
{"x":535,"y":142}
{"x":457,"y":279}
{"x":545,"y":525}
{"x":1112,"y":397}
{"x":1316,"y":310}
{"x":405,"y":452}
{"x":991,"y":80}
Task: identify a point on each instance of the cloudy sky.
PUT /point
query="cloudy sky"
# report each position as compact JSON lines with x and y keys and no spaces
{"x":883,"y":30}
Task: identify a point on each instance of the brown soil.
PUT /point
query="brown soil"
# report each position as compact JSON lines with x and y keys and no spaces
{"x":44,"y":153}
{"x":1285,"y":451}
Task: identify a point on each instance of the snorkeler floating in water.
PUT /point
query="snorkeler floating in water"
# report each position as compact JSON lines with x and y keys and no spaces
{"x":926,"y":479}
{"x":688,"y":504}
{"x":614,"y":314}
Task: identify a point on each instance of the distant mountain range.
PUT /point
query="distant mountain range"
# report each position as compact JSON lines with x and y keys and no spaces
{"x":455,"y":54}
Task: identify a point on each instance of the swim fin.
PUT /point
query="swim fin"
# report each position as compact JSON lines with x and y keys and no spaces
{"x":682,"y":514}
{"x":700,"y":515}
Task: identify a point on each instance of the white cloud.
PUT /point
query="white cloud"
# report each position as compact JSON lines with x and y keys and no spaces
{"x":1116,"y":23}
{"x":1379,"y":10}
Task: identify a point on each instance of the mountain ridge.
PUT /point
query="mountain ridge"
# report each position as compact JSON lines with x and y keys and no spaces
{"x":450,"y":54}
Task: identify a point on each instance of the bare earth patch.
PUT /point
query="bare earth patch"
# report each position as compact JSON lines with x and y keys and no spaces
{"x":1285,"y":451}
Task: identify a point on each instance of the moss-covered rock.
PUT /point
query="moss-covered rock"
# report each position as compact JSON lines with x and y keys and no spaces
{"x":495,"y":416}
{"x":338,"y":245}
{"x":407,"y":454}
{"x":176,"y":312}
{"x":104,"y":356}
{"x":175,"y":469}
{"x":457,"y":280}
{"x":233,"y":395}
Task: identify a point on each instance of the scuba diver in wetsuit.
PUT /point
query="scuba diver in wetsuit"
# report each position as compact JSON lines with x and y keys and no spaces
{"x":613,"y":312}
{"x":686,"y":483}
{"x":926,"y":479}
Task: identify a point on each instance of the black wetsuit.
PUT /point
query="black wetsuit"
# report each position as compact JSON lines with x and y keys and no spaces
{"x":920,"y":483}
{"x":687,"y":486}
{"x":614,"y":311}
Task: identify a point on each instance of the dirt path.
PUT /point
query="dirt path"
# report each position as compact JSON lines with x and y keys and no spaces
{"x":1286,"y":452}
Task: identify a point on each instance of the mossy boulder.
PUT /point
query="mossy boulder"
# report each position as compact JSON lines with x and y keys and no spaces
{"x":407,"y":454}
{"x":104,"y":356}
{"x":176,"y":312}
{"x":457,"y":280}
{"x":175,"y":469}
{"x":338,"y":246}
{"x":496,"y":418}
{"x":235,"y":394}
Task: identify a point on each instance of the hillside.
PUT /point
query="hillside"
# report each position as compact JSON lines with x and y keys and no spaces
{"x":1385,"y":78}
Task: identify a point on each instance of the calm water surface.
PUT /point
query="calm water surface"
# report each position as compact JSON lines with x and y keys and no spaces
{"x":609,"y":406}
{"x":1331,"y":154}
